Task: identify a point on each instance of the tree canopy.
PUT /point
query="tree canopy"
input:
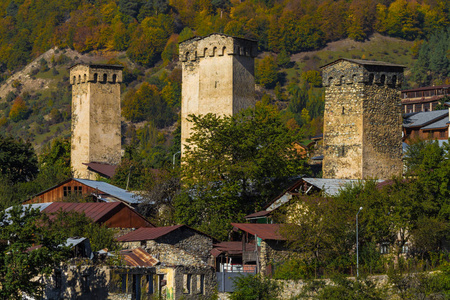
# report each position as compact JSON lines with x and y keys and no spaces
{"x":232,"y":166}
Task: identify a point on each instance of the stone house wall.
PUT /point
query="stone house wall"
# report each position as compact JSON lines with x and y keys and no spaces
{"x":272,"y":253}
{"x":362,"y":120}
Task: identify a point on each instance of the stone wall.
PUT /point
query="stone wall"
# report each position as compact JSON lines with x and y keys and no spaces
{"x":362,"y":120}
{"x":96,"y":115}
{"x":271,"y":253}
{"x":194,"y":282}
{"x":190,"y":241}
{"x":218,"y":77}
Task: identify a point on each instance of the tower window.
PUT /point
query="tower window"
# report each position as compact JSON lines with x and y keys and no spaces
{"x":79,"y":79}
{"x":105,"y":77}
{"x":114,"y":78}
{"x":371,"y":77}
{"x":84,"y":78}
{"x":74,"y":79}
{"x":343,"y":110}
{"x":223,"y":50}
{"x":187,"y":56}
{"x":214,"y":51}
{"x":341,"y":80}
{"x":95,"y":77}
{"x":330,"y":81}
{"x":382,"y":79}
{"x":205,"y":52}
{"x":394,"y":80}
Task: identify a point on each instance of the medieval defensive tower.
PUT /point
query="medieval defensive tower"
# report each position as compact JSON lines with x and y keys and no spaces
{"x":96,"y":135}
{"x":362,"y":134}
{"x":218,"y":77}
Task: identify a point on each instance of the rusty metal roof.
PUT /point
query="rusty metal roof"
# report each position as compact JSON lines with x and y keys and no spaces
{"x":261,"y":213}
{"x":94,"y":211}
{"x":104,"y":169}
{"x":138,"y":258}
{"x":263,"y":231}
{"x":145,"y":234}
{"x":231,"y":248}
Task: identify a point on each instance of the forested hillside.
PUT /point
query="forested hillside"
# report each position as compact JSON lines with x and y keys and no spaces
{"x":294,"y":37}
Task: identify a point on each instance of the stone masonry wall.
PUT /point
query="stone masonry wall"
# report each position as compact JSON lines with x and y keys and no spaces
{"x":362,"y":120}
{"x":96,"y":131}
{"x":343,"y":124}
{"x":272,"y":253}
{"x":218,"y":77}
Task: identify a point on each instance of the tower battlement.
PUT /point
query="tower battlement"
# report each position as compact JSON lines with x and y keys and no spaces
{"x":216,"y":45}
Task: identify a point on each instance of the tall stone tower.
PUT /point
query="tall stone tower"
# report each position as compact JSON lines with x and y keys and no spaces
{"x":96,"y":134}
{"x":362,"y":133}
{"x":218,"y":77}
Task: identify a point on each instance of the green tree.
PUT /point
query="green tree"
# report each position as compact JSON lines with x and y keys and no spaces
{"x":18,"y":161}
{"x":255,"y":287}
{"x":19,"y":110}
{"x":232,"y":165}
{"x":266,"y":72}
{"x":21,"y":229}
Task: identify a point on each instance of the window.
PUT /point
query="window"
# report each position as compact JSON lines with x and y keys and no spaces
{"x":150,"y":284}
{"x":105,"y":78}
{"x":77,"y":190}
{"x":67,"y":191}
{"x":405,"y":248}
{"x":442,"y":134}
{"x":57,"y":278}
{"x":201,"y":284}
{"x":95,"y":77}
{"x":85,"y":287}
{"x":124,"y":283}
{"x":187,"y":283}
{"x":384,"y":248}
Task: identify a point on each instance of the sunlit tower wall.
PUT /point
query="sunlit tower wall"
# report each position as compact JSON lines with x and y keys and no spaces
{"x":96,"y":132}
{"x":362,"y":119}
{"x":218,"y":77}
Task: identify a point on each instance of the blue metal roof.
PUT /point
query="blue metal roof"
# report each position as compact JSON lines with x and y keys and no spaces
{"x":112,"y":190}
{"x":331,"y":186}
{"x":436,"y":125}
{"x":423,"y":118}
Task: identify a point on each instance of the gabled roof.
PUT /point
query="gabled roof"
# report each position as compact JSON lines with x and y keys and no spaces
{"x":101,"y":168}
{"x":364,"y":62}
{"x":147,"y":233}
{"x":138,"y":258}
{"x":231,"y":248}
{"x":442,"y":123}
{"x":95,"y":211}
{"x":112,"y":190}
{"x":420,"y":119}
{"x":263,"y":231}
{"x":330,"y":186}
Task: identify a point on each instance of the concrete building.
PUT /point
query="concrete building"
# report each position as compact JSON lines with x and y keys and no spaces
{"x":96,"y":132}
{"x":362,"y":119}
{"x":218,"y":77}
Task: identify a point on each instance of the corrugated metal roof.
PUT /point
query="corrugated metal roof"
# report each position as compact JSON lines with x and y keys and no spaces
{"x":230,"y":248}
{"x":423,"y":118}
{"x":94,"y":211}
{"x":138,"y":258}
{"x":261,"y":213}
{"x":146,"y":234}
{"x":104,"y":169}
{"x":436,"y":125}
{"x":331,"y":187}
{"x":263,"y":231}
{"x":111,"y":190}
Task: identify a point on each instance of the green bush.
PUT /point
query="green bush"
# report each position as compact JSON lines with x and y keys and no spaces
{"x":255,"y":287}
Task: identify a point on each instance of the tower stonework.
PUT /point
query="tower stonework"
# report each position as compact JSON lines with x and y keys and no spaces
{"x":362,"y":133}
{"x":218,"y":77}
{"x":96,"y":132}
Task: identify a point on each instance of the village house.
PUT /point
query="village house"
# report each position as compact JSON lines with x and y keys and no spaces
{"x":424,"y":98}
{"x":90,"y":190}
{"x":426,"y":125}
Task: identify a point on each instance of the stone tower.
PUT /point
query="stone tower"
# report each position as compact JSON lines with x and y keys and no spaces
{"x":362,"y":134}
{"x":218,"y":77}
{"x":96,"y":134}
